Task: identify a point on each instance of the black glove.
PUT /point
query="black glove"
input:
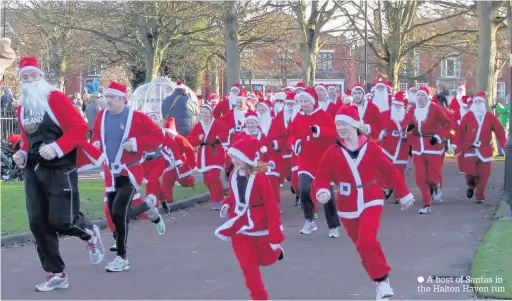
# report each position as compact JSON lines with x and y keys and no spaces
{"x":409,"y":128}
{"x":313,"y":129}
{"x":217,"y":141}
{"x":433,"y":141}
{"x":493,"y":106}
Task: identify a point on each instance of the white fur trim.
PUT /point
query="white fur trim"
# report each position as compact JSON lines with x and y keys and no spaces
{"x":275,"y":246}
{"x":478,"y":98}
{"x":224,"y":210}
{"x":305,"y":94}
{"x":406,"y":198}
{"x":349,"y":120}
{"x":275,"y":144}
{"x":134,"y":144}
{"x":358,"y":88}
{"x":235,"y":152}
{"x":110,"y":91}
{"x":57,"y":149}
{"x":280,"y":96}
{"x":97,"y":144}
{"x":396,"y":102}
{"x":382,"y":134}
{"x":252,"y":118}
{"x":422,"y":92}
{"x":322,"y":190}
{"x":369,"y":128}
{"x":263,"y":149}
{"x":30,"y":68}
{"x":439,"y":140}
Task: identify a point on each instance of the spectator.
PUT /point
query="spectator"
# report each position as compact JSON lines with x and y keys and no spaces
{"x":6,"y":98}
{"x":502,"y":110}
{"x":91,"y":110}
{"x":442,"y":95}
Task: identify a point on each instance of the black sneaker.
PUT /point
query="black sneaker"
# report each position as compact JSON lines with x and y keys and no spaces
{"x":113,"y":248}
{"x":470,"y":192}
{"x":281,"y":256}
{"x":165,"y":207}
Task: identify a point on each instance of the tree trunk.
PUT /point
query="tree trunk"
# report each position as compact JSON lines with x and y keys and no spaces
{"x":484,"y":12}
{"x":310,"y":57}
{"x":231,"y":44}
{"x":214,"y":78}
{"x":152,"y":65}
{"x":493,"y":73}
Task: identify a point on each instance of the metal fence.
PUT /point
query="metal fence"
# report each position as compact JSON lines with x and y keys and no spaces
{"x":8,"y":124}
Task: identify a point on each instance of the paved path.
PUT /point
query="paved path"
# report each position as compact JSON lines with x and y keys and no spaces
{"x":95,"y":175}
{"x":189,"y":262}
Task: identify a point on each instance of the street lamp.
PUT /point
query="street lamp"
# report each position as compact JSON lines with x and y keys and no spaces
{"x":508,"y":146}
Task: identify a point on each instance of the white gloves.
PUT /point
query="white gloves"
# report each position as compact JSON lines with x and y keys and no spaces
{"x":19,"y":158}
{"x":224,"y":211}
{"x":324,"y":197}
{"x":48,"y":152}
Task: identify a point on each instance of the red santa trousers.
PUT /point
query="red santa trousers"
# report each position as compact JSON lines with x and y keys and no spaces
{"x":460,"y":162}
{"x":428,"y":170}
{"x":363,"y":232}
{"x":169,"y":179}
{"x":275,"y":181}
{"x":213,"y":182}
{"x":153,"y":170}
{"x":477,"y":175}
{"x":251,"y":253}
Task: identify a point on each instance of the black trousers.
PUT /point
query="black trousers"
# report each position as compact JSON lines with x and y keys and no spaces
{"x":53,"y":207}
{"x":331,"y":212}
{"x":121,"y":211}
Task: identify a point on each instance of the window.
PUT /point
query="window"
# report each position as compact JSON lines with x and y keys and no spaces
{"x":500,"y":90}
{"x":325,"y":61}
{"x":422,"y":85}
{"x":450,"y":67}
{"x":403,"y":86}
{"x":451,"y":88}
{"x":95,"y":68}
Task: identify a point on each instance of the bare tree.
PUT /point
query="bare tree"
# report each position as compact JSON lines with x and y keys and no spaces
{"x":399,"y":28}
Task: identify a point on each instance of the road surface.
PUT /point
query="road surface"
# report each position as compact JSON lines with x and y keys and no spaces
{"x":189,"y":262}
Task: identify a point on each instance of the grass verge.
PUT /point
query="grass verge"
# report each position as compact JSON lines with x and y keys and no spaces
{"x":494,"y":260}
{"x":14,"y":211}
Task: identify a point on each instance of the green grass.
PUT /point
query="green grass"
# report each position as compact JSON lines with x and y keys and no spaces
{"x":494,"y":259}
{"x":494,"y":158}
{"x":14,"y":212}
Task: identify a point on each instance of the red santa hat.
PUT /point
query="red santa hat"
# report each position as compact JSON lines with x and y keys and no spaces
{"x":423,"y":90}
{"x":116,"y":89}
{"x":13,"y":139}
{"x":480,"y":96}
{"x":310,"y":94}
{"x":350,"y":115}
{"x":269,"y":91}
{"x":358,"y":87}
{"x":300,"y":85}
{"x":331,"y":87}
{"x":280,"y":96}
{"x":465,"y":101}
{"x":321,"y":86}
{"x":208,"y":107}
{"x":265,"y":103}
{"x":399,"y":99}
{"x":251,"y":116}
{"x":411,"y":88}
{"x":380,"y":81}
{"x":29,"y":63}
{"x":170,"y":125}
{"x":236,"y":86}
{"x":242,"y":94}
{"x":213,"y":97}
{"x":290,"y":97}
{"x":247,"y":149}
{"x":179,"y":84}
{"x":348,"y":92}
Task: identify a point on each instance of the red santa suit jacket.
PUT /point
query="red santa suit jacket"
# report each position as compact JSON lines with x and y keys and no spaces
{"x":307,"y":145}
{"x":211,"y":154}
{"x":258,"y":216}
{"x":144,"y":134}
{"x":371,"y":117}
{"x":437,"y":124}
{"x":455,"y":108}
{"x":234,"y":122}
{"x":172,"y":155}
{"x":286,"y":149}
{"x":222,"y":108}
{"x":358,"y":177}
{"x":277,"y":139}
{"x":475,"y":136}
{"x":393,"y":139}
{"x":332,"y":108}
{"x":64,"y":115}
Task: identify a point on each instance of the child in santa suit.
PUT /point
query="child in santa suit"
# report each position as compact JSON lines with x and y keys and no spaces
{"x":393,"y":138}
{"x":254,"y":221}
{"x":356,"y":164}
{"x":208,"y":135}
{"x":154,"y":165}
{"x":475,"y":143}
{"x":181,"y":162}
{"x":312,"y":132}
{"x":124,"y":134}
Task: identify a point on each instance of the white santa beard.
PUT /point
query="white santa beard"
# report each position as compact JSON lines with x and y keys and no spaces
{"x":34,"y":96}
{"x":397,"y":115}
{"x":239,"y":115}
{"x":478,"y":110}
{"x":278,"y":107}
{"x":265,"y":120}
{"x":411,"y":97}
{"x":420,"y":114}
{"x":232,"y":100}
{"x":381,"y":100}
{"x":323,"y":105}
{"x":463,"y":111}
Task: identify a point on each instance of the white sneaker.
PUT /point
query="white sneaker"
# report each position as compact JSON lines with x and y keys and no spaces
{"x":425,"y":210}
{"x":118,"y":265}
{"x":308,"y":228}
{"x":334,"y":233}
{"x":53,"y":282}
{"x":95,"y":247}
{"x":437,"y":195}
{"x":384,"y":290}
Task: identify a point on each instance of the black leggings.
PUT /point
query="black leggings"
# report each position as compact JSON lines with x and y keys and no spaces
{"x":119,"y":202}
{"x":331,"y":213}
